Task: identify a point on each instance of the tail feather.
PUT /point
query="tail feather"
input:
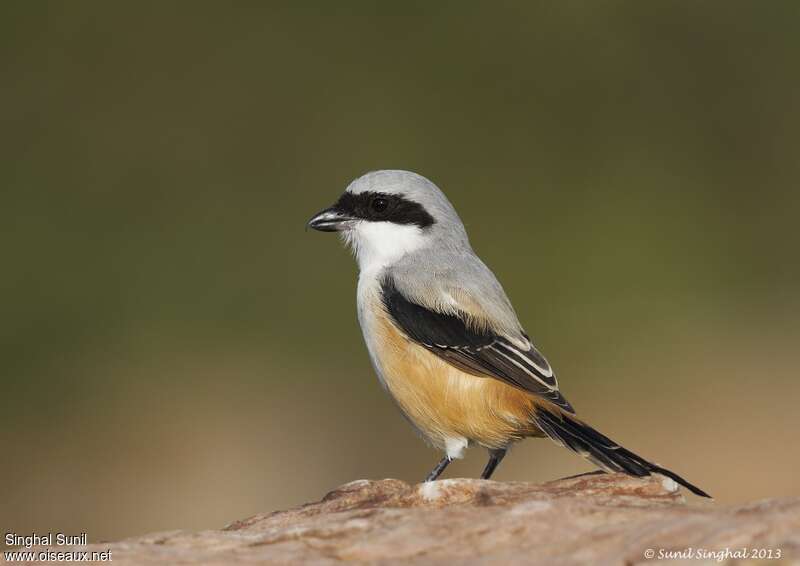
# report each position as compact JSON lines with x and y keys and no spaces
{"x":576,"y":435}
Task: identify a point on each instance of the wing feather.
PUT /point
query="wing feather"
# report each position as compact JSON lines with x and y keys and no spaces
{"x":478,"y":351}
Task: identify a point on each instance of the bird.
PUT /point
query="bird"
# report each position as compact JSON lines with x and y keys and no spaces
{"x":443,"y":337}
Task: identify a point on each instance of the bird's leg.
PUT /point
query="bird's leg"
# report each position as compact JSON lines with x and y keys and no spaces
{"x":437,"y":471}
{"x":495,"y":456}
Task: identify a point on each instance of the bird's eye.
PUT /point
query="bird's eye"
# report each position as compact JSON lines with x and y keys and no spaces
{"x":379,"y":204}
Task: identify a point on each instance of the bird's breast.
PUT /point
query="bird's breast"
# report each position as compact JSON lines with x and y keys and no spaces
{"x":443,"y":402}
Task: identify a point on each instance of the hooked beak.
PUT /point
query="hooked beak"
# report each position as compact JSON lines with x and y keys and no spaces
{"x":330,"y":220}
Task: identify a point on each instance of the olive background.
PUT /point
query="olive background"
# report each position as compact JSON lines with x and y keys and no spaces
{"x":177,"y":352}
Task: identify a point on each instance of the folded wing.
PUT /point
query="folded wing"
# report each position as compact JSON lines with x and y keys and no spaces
{"x":472,"y":347}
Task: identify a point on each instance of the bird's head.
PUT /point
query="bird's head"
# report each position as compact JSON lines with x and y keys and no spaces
{"x":385,"y":215}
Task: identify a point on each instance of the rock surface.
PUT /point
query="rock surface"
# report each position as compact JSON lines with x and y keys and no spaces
{"x":589,"y":519}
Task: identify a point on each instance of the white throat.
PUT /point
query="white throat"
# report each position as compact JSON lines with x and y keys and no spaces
{"x":380,"y":244}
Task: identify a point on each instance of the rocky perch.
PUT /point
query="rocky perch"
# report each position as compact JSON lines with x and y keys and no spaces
{"x":588,"y":519}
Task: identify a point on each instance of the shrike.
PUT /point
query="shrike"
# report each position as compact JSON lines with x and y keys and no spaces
{"x":444,"y":338}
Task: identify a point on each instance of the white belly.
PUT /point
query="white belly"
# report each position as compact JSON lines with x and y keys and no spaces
{"x":368,"y":300}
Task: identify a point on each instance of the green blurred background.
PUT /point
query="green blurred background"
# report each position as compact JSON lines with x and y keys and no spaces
{"x":177,"y":352}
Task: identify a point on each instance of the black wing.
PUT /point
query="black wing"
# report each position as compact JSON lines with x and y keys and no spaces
{"x":481,"y":353}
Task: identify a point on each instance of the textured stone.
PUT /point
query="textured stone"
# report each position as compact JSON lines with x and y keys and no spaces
{"x":588,"y":519}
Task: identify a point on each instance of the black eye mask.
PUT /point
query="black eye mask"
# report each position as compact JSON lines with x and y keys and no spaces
{"x":382,"y":207}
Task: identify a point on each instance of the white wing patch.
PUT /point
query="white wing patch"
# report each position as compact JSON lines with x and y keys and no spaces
{"x":526,"y":370}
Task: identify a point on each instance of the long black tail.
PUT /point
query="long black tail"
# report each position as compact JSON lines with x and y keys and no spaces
{"x":610,"y":456}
